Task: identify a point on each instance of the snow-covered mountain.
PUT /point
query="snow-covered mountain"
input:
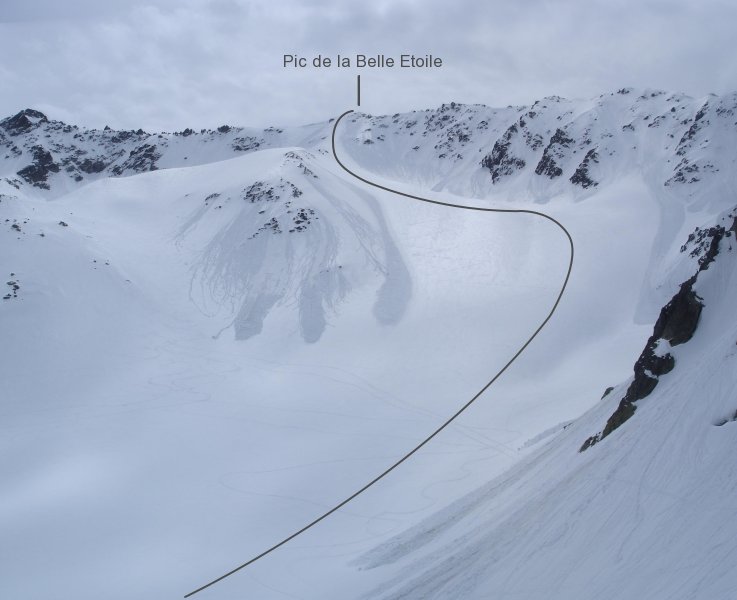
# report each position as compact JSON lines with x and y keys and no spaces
{"x":675,"y":138}
{"x":210,"y":337}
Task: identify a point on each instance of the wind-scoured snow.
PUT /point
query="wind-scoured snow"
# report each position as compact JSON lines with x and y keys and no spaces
{"x":211,"y":337}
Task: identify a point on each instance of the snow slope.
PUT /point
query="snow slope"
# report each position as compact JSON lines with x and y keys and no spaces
{"x":212,"y":337}
{"x":647,"y":512}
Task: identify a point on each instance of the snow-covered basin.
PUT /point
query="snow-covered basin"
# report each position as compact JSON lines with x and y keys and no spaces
{"x":146,"y":450}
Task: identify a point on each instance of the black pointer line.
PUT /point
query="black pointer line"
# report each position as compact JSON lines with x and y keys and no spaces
{"x":460,"y":410}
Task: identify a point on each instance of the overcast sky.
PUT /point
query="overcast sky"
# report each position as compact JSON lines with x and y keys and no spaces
{"x":166,"y":64}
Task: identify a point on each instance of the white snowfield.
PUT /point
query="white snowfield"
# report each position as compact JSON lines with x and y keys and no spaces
{"x":220,"y":335}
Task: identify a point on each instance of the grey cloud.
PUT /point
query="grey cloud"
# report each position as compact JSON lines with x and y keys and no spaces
{"x":168,"y":65}
{"x":49,"y":10}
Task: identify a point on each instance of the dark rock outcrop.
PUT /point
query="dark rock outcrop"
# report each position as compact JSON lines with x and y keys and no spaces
{"x":698,"y":122}
{"x":302,"y":219}
{"x":261,"y":191}
{"x":582,"y":175}
{"x":141,"y":159}
{"x":676,"y":325}
{"x":38,"y":171}
{"x":501,"y":162}
{"x":554,"y":150}
{"x":92,"y":165}
{"x":246,"y":143}
{"x":23,"y":122}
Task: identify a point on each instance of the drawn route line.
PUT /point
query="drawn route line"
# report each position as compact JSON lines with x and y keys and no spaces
{"x":455,"y":415}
